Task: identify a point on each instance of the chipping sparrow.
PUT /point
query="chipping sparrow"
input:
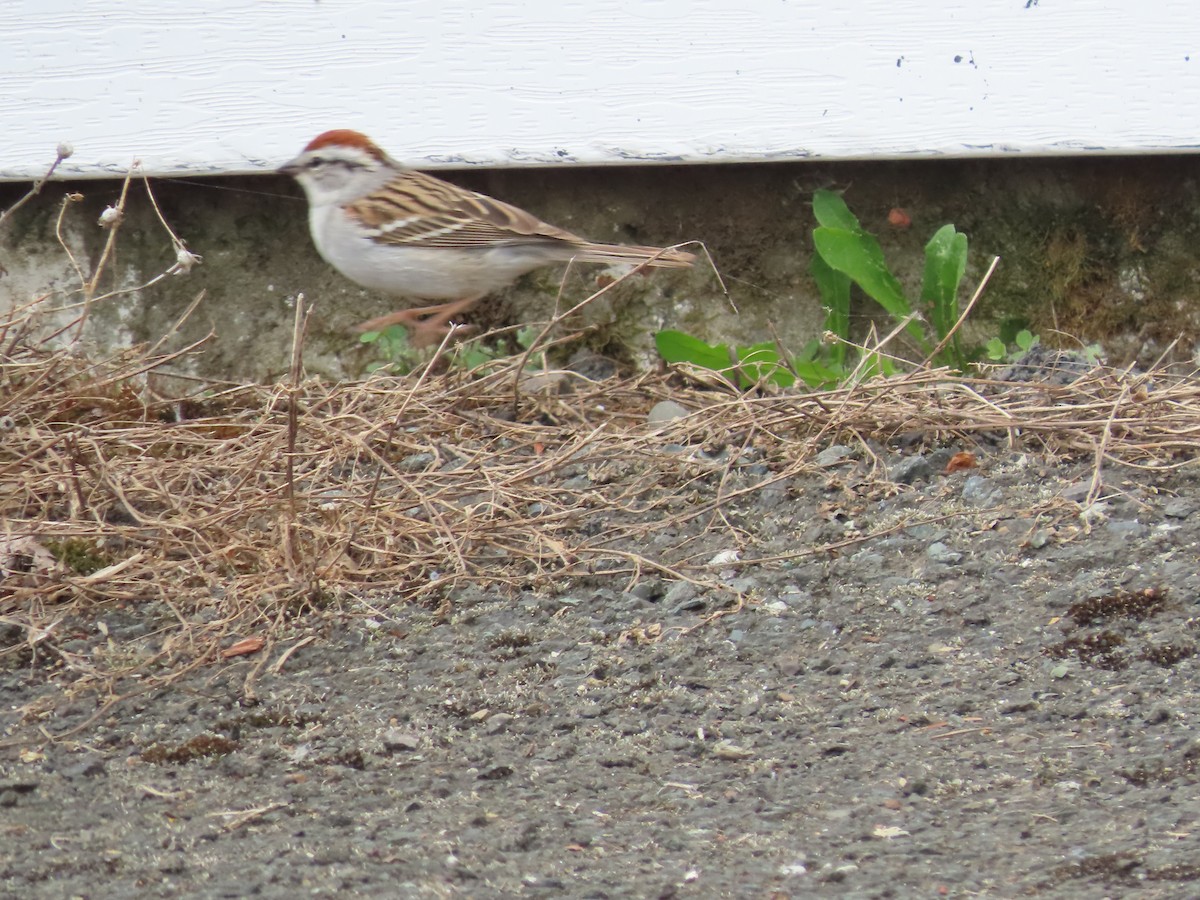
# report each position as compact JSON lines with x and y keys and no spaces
{"x":403,"y":232}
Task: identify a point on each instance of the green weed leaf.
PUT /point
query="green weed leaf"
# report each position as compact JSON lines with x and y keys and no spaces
{"x":818,"y":376}
{"x":761,"y":362}
{"x":835,"y":297}
{"x":945,"y":265}
{"x":746,"y":366}
{"x":676,"y":347}
{"x":859,"y":256}
{"x":831,"y":211}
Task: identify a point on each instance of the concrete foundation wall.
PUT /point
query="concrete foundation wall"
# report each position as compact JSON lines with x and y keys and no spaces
{"x":1093,"y":249}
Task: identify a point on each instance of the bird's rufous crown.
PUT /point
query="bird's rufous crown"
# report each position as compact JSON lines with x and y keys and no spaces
{"x":345,"y":137}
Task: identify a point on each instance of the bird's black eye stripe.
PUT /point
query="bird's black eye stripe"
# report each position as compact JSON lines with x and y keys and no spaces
{"x":318,"y":162}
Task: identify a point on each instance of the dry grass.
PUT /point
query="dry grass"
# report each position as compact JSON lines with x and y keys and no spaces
{"x":246,"y":508}
{"x":251,"y":511}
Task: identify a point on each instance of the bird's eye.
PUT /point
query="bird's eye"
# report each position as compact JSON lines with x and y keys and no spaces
{"x":314,"y":163}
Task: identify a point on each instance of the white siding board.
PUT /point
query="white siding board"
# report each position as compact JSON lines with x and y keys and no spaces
{"x":232,"y":86}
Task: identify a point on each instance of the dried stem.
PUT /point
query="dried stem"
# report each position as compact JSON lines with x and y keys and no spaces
{"x":62,"y":153}
{"x":295,"y":386}
{"x":89,"y":289}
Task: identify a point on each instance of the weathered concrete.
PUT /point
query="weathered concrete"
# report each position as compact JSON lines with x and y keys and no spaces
{"x":1098,"y":249}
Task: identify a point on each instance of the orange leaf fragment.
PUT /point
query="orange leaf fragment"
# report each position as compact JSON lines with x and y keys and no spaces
{"x":960,"y":461}
{"x":244,"y":647}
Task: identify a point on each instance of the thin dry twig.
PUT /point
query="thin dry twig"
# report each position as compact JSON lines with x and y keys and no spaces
{"x":296,"y":372}
{"x":277,"y":666}
{"x":235,"y":819}
{"x":112,"y":219}
{"x":63,"y":151}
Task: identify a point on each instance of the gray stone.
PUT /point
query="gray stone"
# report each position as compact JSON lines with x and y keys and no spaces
{"x":979,"y":491}
{"x":911,"y":469}
{"x":940,"y":553}
{"x":1179,"y":508}
{"x":834,"y":455}
{"x":665,"y":411}
{"x":1129,"y":528}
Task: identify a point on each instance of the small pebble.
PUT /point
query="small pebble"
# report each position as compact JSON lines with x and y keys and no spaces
{"x":832,"y":456}
{"x":665,"y":411}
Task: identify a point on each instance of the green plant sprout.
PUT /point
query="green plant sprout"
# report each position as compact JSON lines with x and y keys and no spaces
{"x":847,"y":253}
{"x":846,"y":256}
{"x":395,"y":353}
{"x":400,"y":358}
{"x":746,"y":366}
{"x":1023,"y":341}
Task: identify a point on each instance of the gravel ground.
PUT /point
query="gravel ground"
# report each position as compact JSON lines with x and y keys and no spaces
{"x":999,"y":701}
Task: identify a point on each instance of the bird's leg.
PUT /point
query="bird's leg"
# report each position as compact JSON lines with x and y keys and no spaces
{"x":425,"y":325}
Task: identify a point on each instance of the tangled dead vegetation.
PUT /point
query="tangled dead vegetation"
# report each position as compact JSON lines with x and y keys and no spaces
{"x":250,"y":511}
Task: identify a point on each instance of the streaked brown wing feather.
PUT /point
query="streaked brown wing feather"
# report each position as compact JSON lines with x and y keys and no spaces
{"x":420,"y":210}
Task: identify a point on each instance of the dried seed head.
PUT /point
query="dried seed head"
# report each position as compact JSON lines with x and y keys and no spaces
{"x":185,"y":260}
{"x":110,"y":217}
{"x":64,"y":150}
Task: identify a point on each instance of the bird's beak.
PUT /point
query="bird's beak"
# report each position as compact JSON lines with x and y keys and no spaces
{"x":291,"y":167}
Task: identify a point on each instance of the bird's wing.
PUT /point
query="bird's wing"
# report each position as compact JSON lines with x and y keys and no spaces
{"x":420,"y":210}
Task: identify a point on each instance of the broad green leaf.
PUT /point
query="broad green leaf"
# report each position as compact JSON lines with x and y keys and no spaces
{"x":817,"y":376}
{"x":831,"y":211}
{"x":859,"y":255}
{"x":761,"y":361}
{"x":747,"y":365}
{"x":810,"y":352}
{"x":945,"y":264}
{"x":675,"y":347}
{"x":834,"y":287}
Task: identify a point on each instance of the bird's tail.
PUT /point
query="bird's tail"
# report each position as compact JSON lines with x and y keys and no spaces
{"x":662,"y":257}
